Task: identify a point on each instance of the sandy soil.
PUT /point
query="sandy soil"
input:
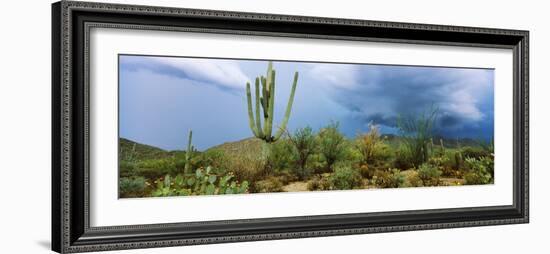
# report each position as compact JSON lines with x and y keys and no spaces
{"x":295,"y":186}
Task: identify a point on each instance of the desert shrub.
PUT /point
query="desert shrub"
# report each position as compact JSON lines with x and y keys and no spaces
{"x":281,"y":156}
{"x":391,"y":178}
{"x":304,"y":144}
{"x":429,"y":174}
{"x":270,"y":184}
{"x":480,"y":171}
{"x":382,"y":153}
{"x":319,"y":182}
{"x":366,"y":144}
{"x":214,"y":158}
{"x":345,"y":177}
{"x":352,"y":156}
{"x":417,"y":133}
{"x":202,"y":182}
{"x":403,"y":158}
{"x":444,"y":164}
{"x":131,"y":186}
{"x":474,"y":152}
{"x":156,"y":168}
{"x":316,"y":163}
{"x":451,"y":160}
{"x":127,"y":168}
{"x":331,"y":144}
{"x":247,"y":168}
{"x":412,"y":179}
{"x":366,"y":171}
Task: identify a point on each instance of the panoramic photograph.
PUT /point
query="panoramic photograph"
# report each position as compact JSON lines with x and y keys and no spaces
{"x":208,"y":126}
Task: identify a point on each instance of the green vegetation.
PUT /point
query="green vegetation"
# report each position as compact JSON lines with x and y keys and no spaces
{"x":325,"y":160}
{"x":203,"y":182}
{"x":345,"y":178}
{"x":417,"y":134}
{"x":304,"y":145}
{"x":300,"y":161}
{"x":331,"y":145}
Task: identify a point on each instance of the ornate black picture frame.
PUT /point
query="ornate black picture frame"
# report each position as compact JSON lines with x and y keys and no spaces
{"x":71,"y":231}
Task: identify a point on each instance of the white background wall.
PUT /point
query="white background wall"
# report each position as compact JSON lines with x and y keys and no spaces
{"x":25,"y":125}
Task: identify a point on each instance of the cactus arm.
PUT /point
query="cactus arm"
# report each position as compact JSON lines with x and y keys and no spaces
{"x":258,"y":109}
{"x":271,"y":107}
{"x":264,"y":96}
{"x":282,"y":128}
{"x":250,"y":113}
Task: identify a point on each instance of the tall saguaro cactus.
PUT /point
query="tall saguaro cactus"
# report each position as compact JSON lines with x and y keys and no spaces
{"x":189,"y":154}
{"x":266,"y":103}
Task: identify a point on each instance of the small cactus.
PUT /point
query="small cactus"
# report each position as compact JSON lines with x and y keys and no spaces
{"x":189,"y":154}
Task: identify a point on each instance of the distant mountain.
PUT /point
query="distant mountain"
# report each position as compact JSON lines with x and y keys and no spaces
{"x":447,"y":142}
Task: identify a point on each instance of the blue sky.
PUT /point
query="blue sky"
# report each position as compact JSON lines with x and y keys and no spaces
{"x":162,"y":98}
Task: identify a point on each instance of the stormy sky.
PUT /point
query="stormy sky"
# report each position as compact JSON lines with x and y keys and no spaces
{"x":162,"y":98}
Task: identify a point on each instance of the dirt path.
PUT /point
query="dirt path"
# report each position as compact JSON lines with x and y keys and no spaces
{"x":295,"y":186}
{"x":452,"y":181}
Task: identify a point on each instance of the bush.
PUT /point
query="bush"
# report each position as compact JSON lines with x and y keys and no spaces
{"x":304,"y":144}
{"x":403,"y":158}
{"x":345,"y":178}
{"x":411,"y":179}
{"x":366,"y":144}
{"x":319,"y":183}
{"x":280,"y":156}
{"x":391,"y":178}
{"x":366,"y":171}
{"x":156,"y":168}
{"x":417,"y":133}
{"x":271,"y":184}
{"x":131,"y":187}
{"x":372,"y":149}
{"x":352,"y":156}
{"x":127,"y":168}
{"x":382,"y":152}
{"x":429,"y":174}
{"x":474,"y":152}
{"x":444,"y":164}
{"x":480,"y":171}
{"x":246,"y":168}
{"x":316,"y":163}
{"x":331,"y":144}
{"x":214,"y":158}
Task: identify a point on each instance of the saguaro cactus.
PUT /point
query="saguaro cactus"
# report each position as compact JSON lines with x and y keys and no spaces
{"x":267,"y":102}
{"x":189,"y":154}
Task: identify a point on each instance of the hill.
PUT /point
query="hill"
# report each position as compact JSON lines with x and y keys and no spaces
{"x":131,"y":149}
{"x":248,"y":146}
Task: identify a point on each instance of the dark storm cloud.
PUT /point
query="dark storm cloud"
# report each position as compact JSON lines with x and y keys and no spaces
{"x":379,"y":94}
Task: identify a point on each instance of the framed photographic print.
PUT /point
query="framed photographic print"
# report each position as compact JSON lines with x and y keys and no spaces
{"x":181,"y":126}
